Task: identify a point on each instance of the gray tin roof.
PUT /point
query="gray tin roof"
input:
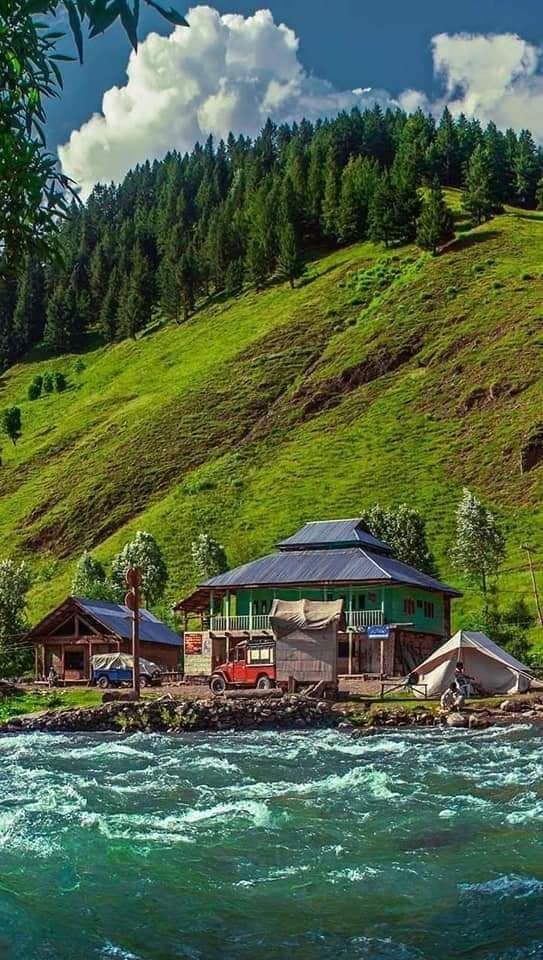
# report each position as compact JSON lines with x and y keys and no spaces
{"x":314,"y":567}
{"x":334,"y":533}
{"x":116,"y":617}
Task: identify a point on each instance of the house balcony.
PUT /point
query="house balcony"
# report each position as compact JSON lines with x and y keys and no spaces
{"x":355,"y":619}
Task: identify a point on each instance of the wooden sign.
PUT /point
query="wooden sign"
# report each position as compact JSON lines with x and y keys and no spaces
{"x":133,"y":577}
{"x":193,"y":644}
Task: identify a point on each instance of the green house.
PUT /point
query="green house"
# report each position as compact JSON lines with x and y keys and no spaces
{"x":328,"y":560}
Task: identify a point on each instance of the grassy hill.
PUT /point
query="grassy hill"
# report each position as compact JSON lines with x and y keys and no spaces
{"x":385,"y":376}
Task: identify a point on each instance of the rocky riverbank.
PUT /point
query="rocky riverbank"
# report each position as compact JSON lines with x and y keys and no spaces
{"x":173,"y":715}
{"x":168,"y":715}
{"x":509,"y":711}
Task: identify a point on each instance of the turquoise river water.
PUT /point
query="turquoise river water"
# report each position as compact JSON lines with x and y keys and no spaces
{"x":409,"y":845}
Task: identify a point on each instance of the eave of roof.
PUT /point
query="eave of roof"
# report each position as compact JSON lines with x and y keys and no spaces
{"x":314,"y":568}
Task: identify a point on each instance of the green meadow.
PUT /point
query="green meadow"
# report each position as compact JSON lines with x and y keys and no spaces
{"x":384,"y":376}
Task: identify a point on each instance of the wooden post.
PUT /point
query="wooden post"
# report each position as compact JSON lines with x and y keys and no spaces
{"x":350,"y":652}
{"x":382,"y":657}
{"x":211,"y":609}
{"x":228,"y":610}
{"x":534,"y":584}
{"x":350,"y":608}
{"x":132,"y":600}
{"x":250,"y":613}
{"x":36,"y":662}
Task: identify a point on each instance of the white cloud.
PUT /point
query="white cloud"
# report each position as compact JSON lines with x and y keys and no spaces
{"x":493,"y":77}
{"x":223,"y":73}
{"x":231,"y":72}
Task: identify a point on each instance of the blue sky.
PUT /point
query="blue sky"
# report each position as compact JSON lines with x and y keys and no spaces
{"x":350,"y":43}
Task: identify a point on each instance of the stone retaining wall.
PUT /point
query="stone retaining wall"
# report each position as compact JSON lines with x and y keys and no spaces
{"x":167,"y":715}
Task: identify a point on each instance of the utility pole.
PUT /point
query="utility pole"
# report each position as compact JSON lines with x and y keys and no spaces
{"x":529,"y":552}
{"x":132,"y":601}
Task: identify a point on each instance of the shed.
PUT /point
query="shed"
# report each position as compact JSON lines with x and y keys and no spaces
{"x":79,"y":628}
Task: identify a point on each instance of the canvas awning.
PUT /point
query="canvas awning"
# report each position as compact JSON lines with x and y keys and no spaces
{"x":493,"y":668}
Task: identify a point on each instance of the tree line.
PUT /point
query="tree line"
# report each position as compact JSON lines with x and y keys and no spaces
{"x":210,"y":221}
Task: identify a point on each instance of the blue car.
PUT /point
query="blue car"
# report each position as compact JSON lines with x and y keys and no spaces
{"x":115,"y":670}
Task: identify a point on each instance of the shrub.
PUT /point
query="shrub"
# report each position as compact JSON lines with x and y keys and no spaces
{"x":526,"y":276}
{"x":79,"y":366}
{"x":60,"y":382}
{"x":34,"y":390}
{"x":48,"y":382}
{"x":497,"y":285}
{"x":452,"y":291}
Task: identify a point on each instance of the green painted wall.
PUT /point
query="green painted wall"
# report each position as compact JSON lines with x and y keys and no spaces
{"x":401,"y":604}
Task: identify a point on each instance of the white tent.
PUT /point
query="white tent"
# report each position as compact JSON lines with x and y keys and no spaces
{"x":492,"y":668}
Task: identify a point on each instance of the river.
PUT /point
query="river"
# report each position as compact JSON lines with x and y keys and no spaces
{"x":304,"y":846}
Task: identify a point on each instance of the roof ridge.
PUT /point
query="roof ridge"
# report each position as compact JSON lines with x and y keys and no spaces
{"x":370,"y":556}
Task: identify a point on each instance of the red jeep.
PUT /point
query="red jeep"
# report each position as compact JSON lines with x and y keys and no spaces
{"x":250,"y":664}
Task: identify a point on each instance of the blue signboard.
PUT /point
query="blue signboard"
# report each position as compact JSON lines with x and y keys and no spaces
{"x":379,"y":632}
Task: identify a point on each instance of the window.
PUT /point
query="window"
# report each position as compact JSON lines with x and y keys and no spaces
{"x":359,"y":601}
{"x":264,"y":608}
{"x":428,"y":609}
{"x":372,"y":599}
{"x":409,"y":606}
{"x":260,"y":655}
{"x":419,"y":604}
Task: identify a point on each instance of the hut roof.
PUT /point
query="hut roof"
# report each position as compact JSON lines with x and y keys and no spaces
{"x":115,"y":617}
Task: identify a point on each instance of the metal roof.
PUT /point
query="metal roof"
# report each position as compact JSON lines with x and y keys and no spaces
{"x":117,"y":618}
{"x":334,"y":533}
{"x":327,"y":566}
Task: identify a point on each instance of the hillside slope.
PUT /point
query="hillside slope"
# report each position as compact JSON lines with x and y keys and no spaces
{"x":385,"y":376}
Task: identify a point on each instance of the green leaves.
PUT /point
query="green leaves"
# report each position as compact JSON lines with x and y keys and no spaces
{"x":171,"y":15}
{"x":75,"y":24}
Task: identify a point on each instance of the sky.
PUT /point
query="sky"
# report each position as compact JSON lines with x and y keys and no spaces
{"x":234,"y":66}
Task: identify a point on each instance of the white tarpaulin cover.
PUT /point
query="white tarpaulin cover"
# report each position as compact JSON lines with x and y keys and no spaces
{"x":122,"y":661}
{"x":306,"y":638}
{"x":493,"y":669}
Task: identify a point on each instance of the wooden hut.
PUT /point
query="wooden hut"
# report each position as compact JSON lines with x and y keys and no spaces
{"x":71,"y":634}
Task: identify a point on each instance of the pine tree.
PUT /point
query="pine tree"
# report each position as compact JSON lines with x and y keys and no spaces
{"x":448,"y":150}
{"x":435,"y":224}
{"x":29,"y":313}
{"x":382,"y":216}
{"x":257,"y":263}
{"x":477,"y":198}
{"x":61,"y":333}
{"x":330,"y":200}
{"x":188,"y":281}
{"x":107,"y":320}
{"x":289,"y":261}
{"x":526,"y":169}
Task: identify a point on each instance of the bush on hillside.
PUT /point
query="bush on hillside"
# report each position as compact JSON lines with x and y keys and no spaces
{"x":34,"y":390}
